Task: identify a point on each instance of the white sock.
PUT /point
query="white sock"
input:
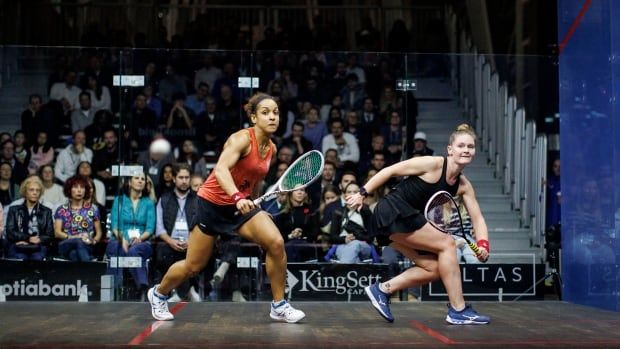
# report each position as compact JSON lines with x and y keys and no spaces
{"x":383,"y":289}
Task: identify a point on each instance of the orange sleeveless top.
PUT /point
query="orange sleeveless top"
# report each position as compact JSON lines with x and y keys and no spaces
{"x":246,"y":173}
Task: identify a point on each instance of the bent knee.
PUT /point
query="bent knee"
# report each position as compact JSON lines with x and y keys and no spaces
{"x":447,"y":243}
{"x":193,"y":269}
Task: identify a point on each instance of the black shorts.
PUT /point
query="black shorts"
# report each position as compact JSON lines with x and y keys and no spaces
{"x":220,"y":219}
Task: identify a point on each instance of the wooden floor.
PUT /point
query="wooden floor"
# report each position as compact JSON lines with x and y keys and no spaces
{"x":327,"y":325}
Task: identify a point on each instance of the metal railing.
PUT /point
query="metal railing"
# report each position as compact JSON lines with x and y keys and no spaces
{"x":515,"y":149}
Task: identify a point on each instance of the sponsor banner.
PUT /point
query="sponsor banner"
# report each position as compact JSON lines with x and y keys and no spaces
{"x":493,"y":281}
{"x":50,"y":280}
{"x":332,"y":282}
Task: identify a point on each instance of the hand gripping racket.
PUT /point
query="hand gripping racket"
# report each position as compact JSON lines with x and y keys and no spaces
{"x":443,"y":213}
{"x":305,"y":170}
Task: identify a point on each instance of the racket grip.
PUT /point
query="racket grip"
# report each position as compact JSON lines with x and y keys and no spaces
{"x":474,"y":248}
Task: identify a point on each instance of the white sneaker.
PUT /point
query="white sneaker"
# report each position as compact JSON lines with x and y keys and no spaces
{"x":159,"y":306}
{"x":286,"y":313}
{"x":219,"y":275}
{"x":194,"y":296}
{"x":237,"y":296}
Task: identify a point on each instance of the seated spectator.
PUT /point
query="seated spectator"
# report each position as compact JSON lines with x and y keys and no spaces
{"x":95,"y":131}
{"x":166,"y":181}
{"x":353,"y":94}
{"x":345,"y":179}
{"x":196,"y":102}
{"x":85,"y":169}
{"x":19,"y":171}
{"x":196,"y":181}
{"x":66,"y":92}
{"x":348,"y":233}
{"x":133,"y":222}
{"x":176,"y":212}
{"x":389,"y":101}
{"x":42,"y":153}
{"x":69,"y":158}
{"x":152,"y":102}
{"x":105,"y":158}
{"x":274,"y":206}
{"x":99,"y":94}
{"x":377,"y":144}
{"x":180,"y":121}
{"x":29,"y":226}
{"x":315,"y":129}
{"x":344,"y":143}
{"x":22,"y":153}
{"x":154,"y":159}
{"x":297,"y":141}
{"x":83,"y":116}
{"x":187,"y":153}
{"x":299,"y":226}
{"x":212,"y":126}
{"x":171,"y":84}
{"x":77,"y":223}
{"x":208,"y":74}
{"x":419,"y":145}
{"x":9,"y":191}
{"x":32,"y":119}
{"x":393,"y":136}
{"x":52,"y":192}
{"x":142,"y":123}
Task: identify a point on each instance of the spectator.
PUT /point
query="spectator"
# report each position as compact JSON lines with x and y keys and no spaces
{"x":105,"y":158}
{"x":345,"y":179}
{"x":166,"y":181}
{"x":19,"y":170}
{"x":99,"y":94}
{"x":154,"y":159}
{"x":297,"y":141}
{"x":315,"y":129}
{"x":9,"y":191}
{"x":67,"y":93}
{"x":298,"y":226}
{"x":274,"y":206}
{"x":176,"y":212}
{"x":196,"y":102}
{"x":187,"y":153}
{"x":196,"y":181}
{"x":77,"y":222}
{"x":353,"y":94}
{"x":420,"y":147}
{"x":142,"y":122}
{"x":208,"y":74}
{"x":354,"y":68}
{"x":348,"y":231}
{"x":83,"y":116}
{"x":42,"y":153}
{"x":352,"y":126}
{"x":554,"y":195}
{"x":95,"y":131}
{"x":152,"y":102}
{"x":133,"y":223}
{"x":29,"y":226}
{"x":85,"y":169}
{"x":171,"y":84}
{"x":180,"y":121}
{"x":393,"y":136}
{"x":212,"y":126}
{"x":389,"y":102}
{"x":229,"y":105}
{"x":344,"y":142}
{"x":52,"y":192}
{"x":32,"y":118}
{"x":22,"y":153}
{"x":69,"y":158}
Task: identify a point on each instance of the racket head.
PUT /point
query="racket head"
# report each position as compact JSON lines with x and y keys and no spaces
{"x":302,"y":172}
{"x":442,"y":212}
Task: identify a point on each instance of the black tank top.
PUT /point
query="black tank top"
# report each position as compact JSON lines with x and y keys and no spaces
{"x":410,"y":195}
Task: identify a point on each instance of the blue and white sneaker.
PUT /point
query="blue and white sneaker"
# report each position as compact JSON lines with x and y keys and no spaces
{"x":467,"y":316}
{"x":380,"y":300}
{"x":283,"y":311}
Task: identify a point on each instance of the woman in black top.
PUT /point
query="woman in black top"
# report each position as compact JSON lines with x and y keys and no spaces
{"x":399,"y":219}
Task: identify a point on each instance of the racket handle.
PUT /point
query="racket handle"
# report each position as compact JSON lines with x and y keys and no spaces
{"x":474,"y":248}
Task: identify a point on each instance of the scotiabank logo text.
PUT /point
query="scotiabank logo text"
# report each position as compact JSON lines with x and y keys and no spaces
{"x":42,"y":289}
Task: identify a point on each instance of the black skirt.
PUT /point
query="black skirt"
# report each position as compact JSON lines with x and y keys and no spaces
{"x":387,"y":220}
{"x":221,"y":219}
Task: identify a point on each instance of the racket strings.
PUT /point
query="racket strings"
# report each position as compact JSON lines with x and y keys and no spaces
{"x":302,"y":171}
{"x":443,"y":214}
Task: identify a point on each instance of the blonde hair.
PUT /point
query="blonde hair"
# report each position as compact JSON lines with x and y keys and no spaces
{"x":463,"y":129}
{"x":32,"y":179}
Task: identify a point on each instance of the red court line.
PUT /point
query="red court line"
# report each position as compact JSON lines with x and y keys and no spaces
{"x":438,"y":336}
{"x":574,"y":25}
{"x":137,"y":340}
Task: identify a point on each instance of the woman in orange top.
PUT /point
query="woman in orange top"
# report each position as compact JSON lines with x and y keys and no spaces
{"x":243,"y":164}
